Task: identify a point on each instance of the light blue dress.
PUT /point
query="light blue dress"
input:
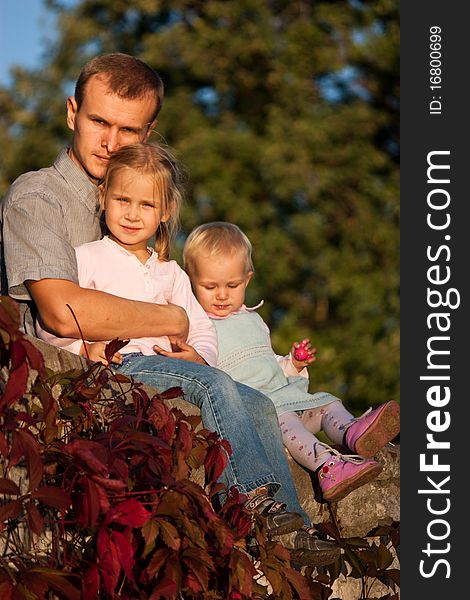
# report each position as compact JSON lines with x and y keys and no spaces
{"x":245,"y":353}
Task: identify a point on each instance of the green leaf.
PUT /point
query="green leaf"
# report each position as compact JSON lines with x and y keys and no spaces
{"x":384,"y":557}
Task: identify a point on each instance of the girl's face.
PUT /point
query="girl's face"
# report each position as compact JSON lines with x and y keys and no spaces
{"x":133,"y":213}
{"x":219,"y":283}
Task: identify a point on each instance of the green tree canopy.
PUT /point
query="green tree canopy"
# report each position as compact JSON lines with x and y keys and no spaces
{"x":286,"y":117}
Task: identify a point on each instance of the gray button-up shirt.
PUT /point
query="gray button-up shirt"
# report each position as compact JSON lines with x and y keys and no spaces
{"x":45,"y":214}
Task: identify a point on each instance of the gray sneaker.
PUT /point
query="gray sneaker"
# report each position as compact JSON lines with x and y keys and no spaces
{"x":307,"y":549}
{"x":277,"y":520}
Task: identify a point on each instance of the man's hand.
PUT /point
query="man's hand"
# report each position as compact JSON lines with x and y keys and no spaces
{"x":181,"y":350}
{"x":96,"y":353}
{"x":306,"y":358}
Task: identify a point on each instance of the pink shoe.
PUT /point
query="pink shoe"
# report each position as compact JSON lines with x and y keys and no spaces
{"x":369,"y":433}
{"x":340,"y":475}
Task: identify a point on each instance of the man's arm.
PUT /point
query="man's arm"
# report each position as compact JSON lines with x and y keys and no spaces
{"x":103,"y":316}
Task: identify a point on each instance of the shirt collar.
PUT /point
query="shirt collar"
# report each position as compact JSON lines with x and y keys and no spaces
{"x":243,"y":309}
{"x":153,"y":254}
{"x":76,"y":178}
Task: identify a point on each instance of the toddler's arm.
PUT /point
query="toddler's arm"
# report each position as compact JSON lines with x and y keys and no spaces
{"x":292,"y":366}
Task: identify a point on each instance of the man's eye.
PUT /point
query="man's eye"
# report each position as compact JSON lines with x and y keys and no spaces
{"x":98,"y":121}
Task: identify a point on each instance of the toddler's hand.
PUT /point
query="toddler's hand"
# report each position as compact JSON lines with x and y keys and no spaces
{"x":302,"y":354}
{"x":181,"y":350}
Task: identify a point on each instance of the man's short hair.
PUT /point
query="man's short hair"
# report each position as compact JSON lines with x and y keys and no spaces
{"x":212,"y":239}
{"x":127,"y":76}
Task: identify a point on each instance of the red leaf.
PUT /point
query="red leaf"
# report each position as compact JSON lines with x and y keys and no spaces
{"x":171,"y":393}
{"x":3,"y":445}
{"x":108,"y":562}
{"x":91,"y":583}
{"x":35,"y":358}
{"x":58,"y":581}
{"x":159,"y":558}
{"x":166,"y":588}
{"x":11,"y":510}
{"x":6,"y":590}
{"x":35,"y":583}
{"x":83,"y":450}
{"x":169,"y":534}
{"x":9,"y":315}
{"x":53,"y":496}
{"x":35,"y":519}
{"x":215,"y":463}
{"x":24,"y":444}
{"x":125,"y":552}
{"x":131,"y":513}
{"x":35,"y":467}
{"x":114,"y":346}
{"x":16,"y":385}
{"x":88,"y":505}
{"x":18,"y":355}
{"x":184,"y":442}
{"x":7,"y":486}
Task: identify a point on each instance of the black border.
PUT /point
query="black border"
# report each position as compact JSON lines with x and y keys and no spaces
{"x":421,"y":133}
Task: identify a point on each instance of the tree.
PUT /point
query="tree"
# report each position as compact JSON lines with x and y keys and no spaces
{"x":286,"y":116}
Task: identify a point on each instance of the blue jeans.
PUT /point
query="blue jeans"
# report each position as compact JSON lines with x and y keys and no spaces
{"x":239,"y":414}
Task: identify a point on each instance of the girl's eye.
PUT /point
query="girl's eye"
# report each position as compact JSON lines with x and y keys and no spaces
{"x":209,"y":287}
{"x":233,"y":285}
{"x":149,"y":205}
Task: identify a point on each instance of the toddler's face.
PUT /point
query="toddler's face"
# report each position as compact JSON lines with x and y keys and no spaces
{"x":219,"y":283}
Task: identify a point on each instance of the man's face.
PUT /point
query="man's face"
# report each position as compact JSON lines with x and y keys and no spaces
{"x":105,"y":122}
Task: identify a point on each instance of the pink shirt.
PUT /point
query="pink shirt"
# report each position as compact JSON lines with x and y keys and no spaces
{"x":107,"y":266}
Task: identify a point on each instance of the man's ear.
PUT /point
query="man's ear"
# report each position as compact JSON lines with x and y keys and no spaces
{"x":150,"y":129}
{"x":72,"y":111}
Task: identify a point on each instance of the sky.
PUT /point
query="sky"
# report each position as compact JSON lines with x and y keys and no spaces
{"x":25,"y":25}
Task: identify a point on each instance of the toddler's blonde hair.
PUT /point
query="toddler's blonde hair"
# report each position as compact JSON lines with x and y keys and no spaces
{"x":216,"y":238}
{"x":157,"y":161}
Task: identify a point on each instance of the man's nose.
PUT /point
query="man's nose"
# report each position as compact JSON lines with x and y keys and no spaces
{"x":110,"y":140}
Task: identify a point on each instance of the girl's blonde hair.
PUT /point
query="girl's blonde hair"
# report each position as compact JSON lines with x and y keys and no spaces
{"x":216,"y":238}
{"x":157,"y":161}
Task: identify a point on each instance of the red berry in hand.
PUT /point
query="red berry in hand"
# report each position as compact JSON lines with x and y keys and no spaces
{"x":301,"y":354}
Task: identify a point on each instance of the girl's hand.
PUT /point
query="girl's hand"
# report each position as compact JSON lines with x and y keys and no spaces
{"x":96,"y":352}
{"x":181,"y":350}
{"x":302,"y":354}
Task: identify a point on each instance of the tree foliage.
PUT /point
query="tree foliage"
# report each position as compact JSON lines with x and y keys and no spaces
{"x":286,"y":117}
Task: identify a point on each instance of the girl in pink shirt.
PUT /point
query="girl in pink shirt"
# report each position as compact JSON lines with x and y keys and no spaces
{"x":141,"y":199}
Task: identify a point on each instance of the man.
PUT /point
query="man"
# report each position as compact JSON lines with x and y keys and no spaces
{"x":48,"y":212}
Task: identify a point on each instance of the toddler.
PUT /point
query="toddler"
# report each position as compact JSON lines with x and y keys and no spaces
{"x":218,"y":261}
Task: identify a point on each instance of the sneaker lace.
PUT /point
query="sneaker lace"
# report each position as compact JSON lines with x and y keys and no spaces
{"x":353,"y":458}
